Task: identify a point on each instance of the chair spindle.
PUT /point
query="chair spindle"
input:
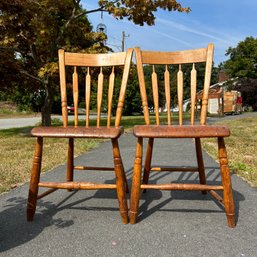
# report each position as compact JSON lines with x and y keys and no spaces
{"x":193,"y":93}
{"x":155,"y":95}
{"x":110,"y":95}
{"x":180,"y":94}
{"x":87,"y":96}
{"x":99,"y":95}
{"x":167,"y":92}
{"x":75,"y":95}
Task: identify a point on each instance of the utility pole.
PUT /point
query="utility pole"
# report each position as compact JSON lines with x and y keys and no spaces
{"x":123,"y":41}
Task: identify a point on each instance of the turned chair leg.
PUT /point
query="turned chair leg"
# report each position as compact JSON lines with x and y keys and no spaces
{"x":120,"y":182}
{"x":200,"y":163}
{"x":125,"y":177}
{"x":35,"y":176}
{"x":136,"y":180}
{"x":70,"y":161}
{"x":148,"y":160}
{"x":226,"y":182}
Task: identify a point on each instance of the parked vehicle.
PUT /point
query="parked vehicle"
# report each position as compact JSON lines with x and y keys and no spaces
{"x":71,"y":110}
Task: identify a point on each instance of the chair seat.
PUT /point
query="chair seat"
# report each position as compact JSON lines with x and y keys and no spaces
{"x":78,"y":132}
{"x":176,"y":131}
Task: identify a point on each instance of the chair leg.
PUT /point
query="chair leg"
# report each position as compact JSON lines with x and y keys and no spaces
{"x":120,"y":181}
{"x":148,"y":160}
{"x":70,"y":161}
{"x":35,"y":176}
{"x":226,"y":182}
{"x":136,"y":180}
{"x":125,"y":177}
{"x":200,"y":163}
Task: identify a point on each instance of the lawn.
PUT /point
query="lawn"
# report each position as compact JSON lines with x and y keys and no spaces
{"x":241,"y":148}
{"x":9,"y":110}
{"x":17,"y":149}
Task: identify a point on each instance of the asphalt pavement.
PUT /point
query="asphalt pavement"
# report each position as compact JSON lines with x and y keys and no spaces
{"x":33,"y":121}
{"x":171,"y":223}
{"x":19,"y":122}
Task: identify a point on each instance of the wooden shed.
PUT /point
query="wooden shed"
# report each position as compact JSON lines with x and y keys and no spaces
{"x":231,"y":104}
{"x":216,"y":100}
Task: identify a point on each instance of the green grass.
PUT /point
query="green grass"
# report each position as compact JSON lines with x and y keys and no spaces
{"x":17,"y":148}
{"x":6,"y":113}
{"x":130,"y":121}
{"x":241,"y":148}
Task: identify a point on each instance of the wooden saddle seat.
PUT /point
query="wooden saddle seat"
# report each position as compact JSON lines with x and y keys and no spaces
{"x":160,"y":75}
{"x":84,"y":78}
{"x":78,"y":132}
{"x":176,"y":131}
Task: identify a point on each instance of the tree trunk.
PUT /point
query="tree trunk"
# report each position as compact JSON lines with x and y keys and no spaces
{"x":47,"y":107}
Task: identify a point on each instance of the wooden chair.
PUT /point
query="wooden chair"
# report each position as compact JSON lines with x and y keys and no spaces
{"x":170,"y":130}
{"x":87,"y":64}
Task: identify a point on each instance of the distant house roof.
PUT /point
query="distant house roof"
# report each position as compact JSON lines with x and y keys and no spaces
{"x":216,"y":92}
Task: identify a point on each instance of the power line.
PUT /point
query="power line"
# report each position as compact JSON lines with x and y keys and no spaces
{"x":119,"y":47}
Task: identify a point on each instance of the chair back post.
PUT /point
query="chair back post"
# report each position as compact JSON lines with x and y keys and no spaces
{"x":141,"y":79}
{"x":207,"y":82}
{"x":62,"y":73}
{"x":123,"y":86}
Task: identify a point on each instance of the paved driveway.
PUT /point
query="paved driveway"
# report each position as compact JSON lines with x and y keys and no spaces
{"x":19,"y":122}
{"x":87,"y":223}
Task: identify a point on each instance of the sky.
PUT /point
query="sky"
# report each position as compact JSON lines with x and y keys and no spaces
{"x":222,"y":22}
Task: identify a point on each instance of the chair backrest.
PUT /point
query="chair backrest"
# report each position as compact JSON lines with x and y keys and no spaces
{"x":174,"y":61}
{"x":90,"y":73}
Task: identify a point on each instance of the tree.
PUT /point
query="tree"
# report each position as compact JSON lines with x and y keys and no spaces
{"x":248,"y":89}
{"x":139,"y":12}
{"x":31,"y":31}
{"x":132,"y":103}
{"x":242,"y":64}
{"x":242,"y":61}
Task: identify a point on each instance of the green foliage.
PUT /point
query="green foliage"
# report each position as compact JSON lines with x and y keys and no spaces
{"x":248,"y":89}
{"x":242,"y":61}
{"x":31,"y":32}
{"x":243,"y":65}
{"x":139,"y":12}
{"x":133,"y":98}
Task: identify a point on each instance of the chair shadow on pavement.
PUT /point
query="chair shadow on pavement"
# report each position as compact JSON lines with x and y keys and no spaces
{"x":187,"y":201}
{"x":15,"y":230}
